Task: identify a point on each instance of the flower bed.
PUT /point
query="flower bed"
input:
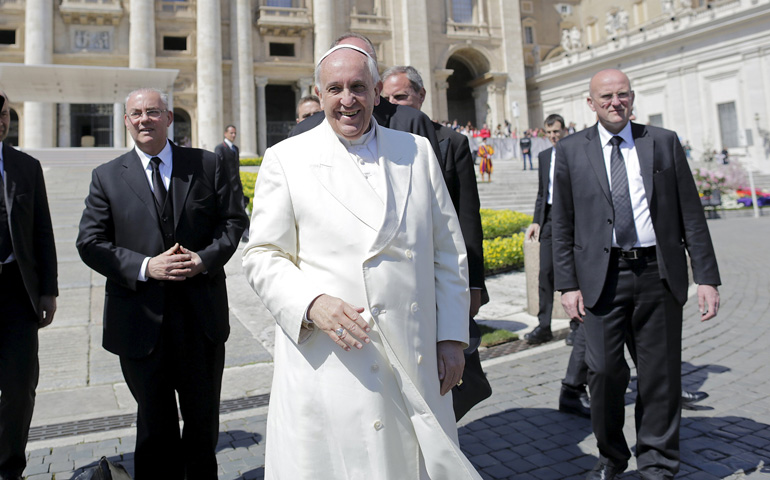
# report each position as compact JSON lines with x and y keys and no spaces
{"x":251,"y":161}
{"x":247,"y":180}
{"x":503,"y":239}
{"x":501,"y":223}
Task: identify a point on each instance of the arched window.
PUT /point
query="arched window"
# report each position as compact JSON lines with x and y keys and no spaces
{"x":182,"y":128}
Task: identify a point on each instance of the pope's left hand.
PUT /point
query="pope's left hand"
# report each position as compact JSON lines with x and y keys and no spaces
{"x":451,"y":363}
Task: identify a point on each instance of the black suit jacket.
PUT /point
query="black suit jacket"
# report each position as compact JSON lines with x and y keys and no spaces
{"x":389,"y":115}
{"x":30,"y":223}
{"x":583,"y":215}
{"x":457,"y":164}
{"x":227,"y":154}
{"x":543,"y":174}
{"x":120,"y":227}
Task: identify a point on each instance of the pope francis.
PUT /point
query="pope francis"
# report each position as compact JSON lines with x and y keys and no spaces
{"x":356,"y":250}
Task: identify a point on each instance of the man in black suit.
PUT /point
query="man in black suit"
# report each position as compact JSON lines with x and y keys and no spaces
{"x":541,"y":230}
{"x":227,"y":150}
{"x":402,"y":85}
{"x":28,"y":290}
{"x":625,"y":211}
{"x":160,"y":223}
{"x":388,"y":115}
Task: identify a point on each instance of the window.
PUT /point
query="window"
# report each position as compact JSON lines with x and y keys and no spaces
{"x":565,"y":9}
{"x":7,"y":37}
{"x":462,"y":11}
{"x":728,"y":124}
{"x":656,"y":120}
{"x":279,"y":3}
{"x":526,"y":7}
{"x":529,"y":35}
{"x":281,"y":49}
{"x":178,"y":44}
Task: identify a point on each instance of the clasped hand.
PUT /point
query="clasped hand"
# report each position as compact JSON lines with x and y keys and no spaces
{"x":175,"y":264}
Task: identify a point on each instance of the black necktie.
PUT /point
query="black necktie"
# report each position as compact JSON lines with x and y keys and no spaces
{"x":159,"y":189}
{"x":5,"y":233}
{"x":625,"y":229}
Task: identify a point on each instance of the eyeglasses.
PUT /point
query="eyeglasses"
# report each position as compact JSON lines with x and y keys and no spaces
{"x":154,"y":114}
{"x":607,"y":98}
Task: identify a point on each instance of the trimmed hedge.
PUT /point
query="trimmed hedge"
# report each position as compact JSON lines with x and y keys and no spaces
{"x":503,"y":223}
{"x":247,"y":180}
{"x":251,"y":161}
{"x":503,"y":239}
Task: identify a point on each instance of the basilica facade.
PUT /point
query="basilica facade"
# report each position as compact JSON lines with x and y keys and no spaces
{"x":67,"y":65}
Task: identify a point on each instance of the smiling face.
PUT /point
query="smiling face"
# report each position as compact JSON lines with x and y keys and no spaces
{"x":348,"y":93}
{"x":147,"y":119}
{"x":611,"y":97}
{"x":399,"y":90}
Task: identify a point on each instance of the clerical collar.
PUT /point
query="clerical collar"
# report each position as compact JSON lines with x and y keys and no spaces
{"x":362,"y":140}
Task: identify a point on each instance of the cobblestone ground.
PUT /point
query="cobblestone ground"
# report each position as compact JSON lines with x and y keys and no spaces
{"x":519,"y":433}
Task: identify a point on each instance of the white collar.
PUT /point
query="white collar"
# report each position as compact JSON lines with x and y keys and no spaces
{"x":605,"y":135}
{"x":164,"y":155}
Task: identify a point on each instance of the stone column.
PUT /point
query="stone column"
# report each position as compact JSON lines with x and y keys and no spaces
{"x":141,"y":34}
{"x":118,"y":126}
{"x":323,"y":19}
{"x":247,"y":129}
{"x":304,"y":87}
{"x":39,"y":118}
{"x":261,"y":83}
{"x":209,"y":79}
{"x":416,"y":52}
{"x":496,"y":91}
{"x":65,"y":140}
{"x":513,"y":59}
{"x":440,"y":78}
{"x":480,"y":96}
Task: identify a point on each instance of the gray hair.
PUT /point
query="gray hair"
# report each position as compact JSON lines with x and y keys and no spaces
{"x":370,"y":62}
{"x":163,"y":95}
{"x":411,"y":73}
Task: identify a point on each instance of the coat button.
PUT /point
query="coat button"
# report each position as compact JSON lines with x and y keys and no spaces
{"x":609,"y":221}
{"x":409,"y":254}
{"x":375,"y":368}
{"x":375,"y":311}
{"x":606,"y":250}
{"x":419,"y":359}
{"x":415,"y":307}
{"x":378,"y":425}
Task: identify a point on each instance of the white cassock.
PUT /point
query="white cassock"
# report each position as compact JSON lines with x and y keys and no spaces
{"x":319,"y":227}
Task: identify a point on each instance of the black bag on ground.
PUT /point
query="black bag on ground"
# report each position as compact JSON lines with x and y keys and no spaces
{"x":475,"y":386}
{"x":104,"y":470}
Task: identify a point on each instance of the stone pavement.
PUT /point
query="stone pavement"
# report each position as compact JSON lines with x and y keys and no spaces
{"x":517,"y":433}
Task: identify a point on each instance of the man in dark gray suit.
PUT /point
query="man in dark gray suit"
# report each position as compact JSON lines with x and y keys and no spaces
{"x":28,"y":290}
{"x":626,"y":211}
{"x":160,"y":223}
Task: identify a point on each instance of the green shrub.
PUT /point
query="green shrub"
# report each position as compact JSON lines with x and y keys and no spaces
{"x":504,"y":253}
{"x":251,"y":161}
{"x":247,"y":180}
{"x":502,"y":223}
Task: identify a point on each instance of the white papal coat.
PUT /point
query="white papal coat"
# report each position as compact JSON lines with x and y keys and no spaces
{"x":319,"y":227}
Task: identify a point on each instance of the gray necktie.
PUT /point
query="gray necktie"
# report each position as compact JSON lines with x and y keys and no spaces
{"x":159,"y":189}
{"x":625,"y":229}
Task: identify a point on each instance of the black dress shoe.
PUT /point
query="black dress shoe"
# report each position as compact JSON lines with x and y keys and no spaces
{"x":602,"y":471}
{"x":538,"y":335}
{"x":575,"y":402}
{"x":689,"y":398}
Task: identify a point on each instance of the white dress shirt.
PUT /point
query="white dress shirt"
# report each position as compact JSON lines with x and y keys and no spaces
{"x":550,"y":176}
{"x":644,"y":231}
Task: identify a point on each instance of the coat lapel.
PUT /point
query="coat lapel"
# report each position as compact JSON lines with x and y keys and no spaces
{"x":182,"y":173}
{"x":595,"y":155}
{"x":397,"y":166}
{"x":134,"y":176}
{"x":344,"y":181}
{"x":10,"y":175}
{"x":645,"y":148}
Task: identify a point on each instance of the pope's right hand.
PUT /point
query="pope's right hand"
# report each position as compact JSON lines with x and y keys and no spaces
{"x":340,"y":320}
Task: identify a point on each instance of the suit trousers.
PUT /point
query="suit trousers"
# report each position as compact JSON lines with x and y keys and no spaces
{"x":576,"y":377}
{"x":185,"y":362}
{"x":19,"y":370}
{"x":636,"y":307}
{"x":545,"y":277}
